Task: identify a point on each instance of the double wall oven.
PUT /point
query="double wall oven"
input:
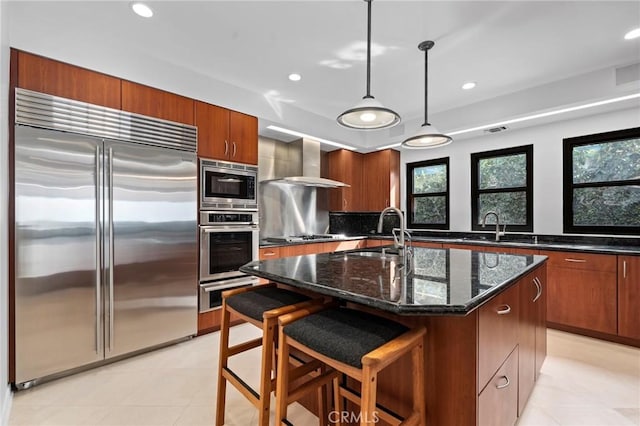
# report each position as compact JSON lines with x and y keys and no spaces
{"x":229,"y":232}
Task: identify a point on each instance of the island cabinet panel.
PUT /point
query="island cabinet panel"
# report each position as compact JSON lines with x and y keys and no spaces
{"x":582,"y":291}
{"x":381,"y":171}
{"x":227,"y":135}
{"x":532,"y":340}
{"x":68,"y":81}
{"x":346,"y":166}
{"x":157,"y":103}
{"x":498,"y":402}
{"x":497,"y":332}
{"x":629,"y":296}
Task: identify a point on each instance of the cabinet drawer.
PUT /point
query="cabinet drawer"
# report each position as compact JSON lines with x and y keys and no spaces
{"x":498,"y":326}
{"x":498,"y":402}
{"x":342,"y":245}
{"x":267,"y":253}
{"x":576,"y":260}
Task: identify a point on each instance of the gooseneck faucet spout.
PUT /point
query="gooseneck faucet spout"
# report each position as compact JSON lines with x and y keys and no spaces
{"x":398,"y":242}
{"x":498,"y":233}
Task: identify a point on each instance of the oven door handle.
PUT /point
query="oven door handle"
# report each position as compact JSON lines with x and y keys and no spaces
{"x":221,"y":285}
{"x":210,"y":230}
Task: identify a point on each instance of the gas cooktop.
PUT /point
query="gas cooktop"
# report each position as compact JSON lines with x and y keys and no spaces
{"x":306,"y":237}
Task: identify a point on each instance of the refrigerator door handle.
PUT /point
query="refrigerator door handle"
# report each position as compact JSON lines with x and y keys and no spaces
{"x":110,"y":248}
{"x":98,"y":255}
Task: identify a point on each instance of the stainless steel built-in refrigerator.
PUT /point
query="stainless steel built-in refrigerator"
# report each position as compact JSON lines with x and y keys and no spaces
{"x":105,"y":234}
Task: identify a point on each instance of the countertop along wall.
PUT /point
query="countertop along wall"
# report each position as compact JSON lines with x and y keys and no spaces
{"x":547,"y":164}
{"x":5,"y":390}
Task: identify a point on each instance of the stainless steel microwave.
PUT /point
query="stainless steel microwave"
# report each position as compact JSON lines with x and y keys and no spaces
{"x":225,"y":185}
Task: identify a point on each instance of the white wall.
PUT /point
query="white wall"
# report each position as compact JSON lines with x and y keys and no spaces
{"x":5,"y":391}
{"x":547,"y":164}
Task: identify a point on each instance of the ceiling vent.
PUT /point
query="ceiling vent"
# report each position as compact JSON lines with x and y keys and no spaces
{"x":495,"y":129}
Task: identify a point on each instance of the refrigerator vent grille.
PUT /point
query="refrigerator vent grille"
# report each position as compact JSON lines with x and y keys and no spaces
{"x":56,"y":113}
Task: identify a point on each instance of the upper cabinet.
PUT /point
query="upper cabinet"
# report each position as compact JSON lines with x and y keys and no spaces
{"x":59,"y":79}
{"x":379,"y":170}
{"x":345,"y":166}
{"x":382,"y":171}
{"x":157,"y":103}
{"x":226,"y":135}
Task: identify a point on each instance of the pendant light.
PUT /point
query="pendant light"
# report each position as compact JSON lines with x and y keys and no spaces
{"x":368,"y":114}
{"x":428,"y":136}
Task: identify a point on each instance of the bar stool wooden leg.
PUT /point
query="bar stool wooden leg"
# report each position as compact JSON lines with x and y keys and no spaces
{"x":282,"y":386}
{"x":368,"y":412}
{"x":338,"y":406}
{"x":222,"y":364}
{"x":269,"y":329}
{"x":417,"y":356}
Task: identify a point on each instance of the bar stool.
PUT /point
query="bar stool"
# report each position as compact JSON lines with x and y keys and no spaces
{"x":260,"y":305}
{"x":358,"y":345}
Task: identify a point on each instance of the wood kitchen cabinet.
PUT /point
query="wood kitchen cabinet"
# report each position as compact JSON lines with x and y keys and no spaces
{"x":582,"y":290}
{"x":532,"y":339}
{"x":68,"y":81}
{"x":629,"y":296}
{"x":226,"y":135}
{"x":157,"y":103}
{"x":374,"y":180}
{"x":346,"y":166}
{"x":381,"y":171}
{"x":498,"y":402}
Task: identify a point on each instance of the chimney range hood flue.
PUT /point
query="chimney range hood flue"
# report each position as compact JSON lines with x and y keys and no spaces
{"x":304,"y":155}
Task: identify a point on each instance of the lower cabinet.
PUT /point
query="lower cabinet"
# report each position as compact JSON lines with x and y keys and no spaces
{"x":629,"y":296}
{"x":583,"y":291}
{"x":498,"y":401}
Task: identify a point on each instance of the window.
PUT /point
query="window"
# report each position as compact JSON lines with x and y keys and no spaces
{"x":502,"y":181}
{"x":428,"y":194}
{"x":602,"y":183}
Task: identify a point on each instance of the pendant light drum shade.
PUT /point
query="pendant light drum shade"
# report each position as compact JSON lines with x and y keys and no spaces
{"x":368,"y":114}
{"x":428,"y":136}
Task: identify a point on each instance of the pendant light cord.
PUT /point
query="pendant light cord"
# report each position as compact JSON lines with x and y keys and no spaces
{"x":368,"y":95}
{"x":426,"y":86}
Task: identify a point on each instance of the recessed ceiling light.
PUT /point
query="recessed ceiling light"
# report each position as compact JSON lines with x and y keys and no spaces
{"x":142,"y":9}
{"x":469,"y":85}
{"x":295,"y":77}
{"x":635,"y":33}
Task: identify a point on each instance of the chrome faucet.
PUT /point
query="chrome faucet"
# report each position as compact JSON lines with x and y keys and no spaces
{"x":498,"y":232}
{"x":398,"y":242}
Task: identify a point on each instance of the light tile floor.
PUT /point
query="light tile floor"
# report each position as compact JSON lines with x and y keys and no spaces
{"x":583,"y":382}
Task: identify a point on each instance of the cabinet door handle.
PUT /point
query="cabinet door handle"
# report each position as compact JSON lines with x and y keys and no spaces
{"x":234,"y":149}
{"x":226,"y":147}
{"x":269,"y":253}
{"x":575,"y":260}
{"x":624,"y":269}
{"x":344,"y":203}
{"x":506,"y":383}
{"x":505,"y":310}
{"x":536,"y":281}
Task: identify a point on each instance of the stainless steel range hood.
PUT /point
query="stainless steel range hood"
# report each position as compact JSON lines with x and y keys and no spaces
{"x":295,"y":163}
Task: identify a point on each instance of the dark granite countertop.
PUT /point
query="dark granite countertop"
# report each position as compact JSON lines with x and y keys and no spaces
{"x":443,"y":281}
{"x":556,"y":244}
{"x":268,"y":243}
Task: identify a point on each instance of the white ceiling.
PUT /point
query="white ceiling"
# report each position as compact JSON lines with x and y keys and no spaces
{"x":526,"y":56}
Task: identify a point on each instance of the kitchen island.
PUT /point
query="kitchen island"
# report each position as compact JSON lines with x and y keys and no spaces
{"x":484,"y":313}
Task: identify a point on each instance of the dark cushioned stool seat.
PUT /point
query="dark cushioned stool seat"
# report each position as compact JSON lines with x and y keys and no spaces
{"x":254,"y":303}
{"x":343,"y":334}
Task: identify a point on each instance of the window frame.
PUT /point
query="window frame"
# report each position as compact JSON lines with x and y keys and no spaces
{"x":411,"y":196}
{"x":527,"y":189}
{"x":568,"y":186}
